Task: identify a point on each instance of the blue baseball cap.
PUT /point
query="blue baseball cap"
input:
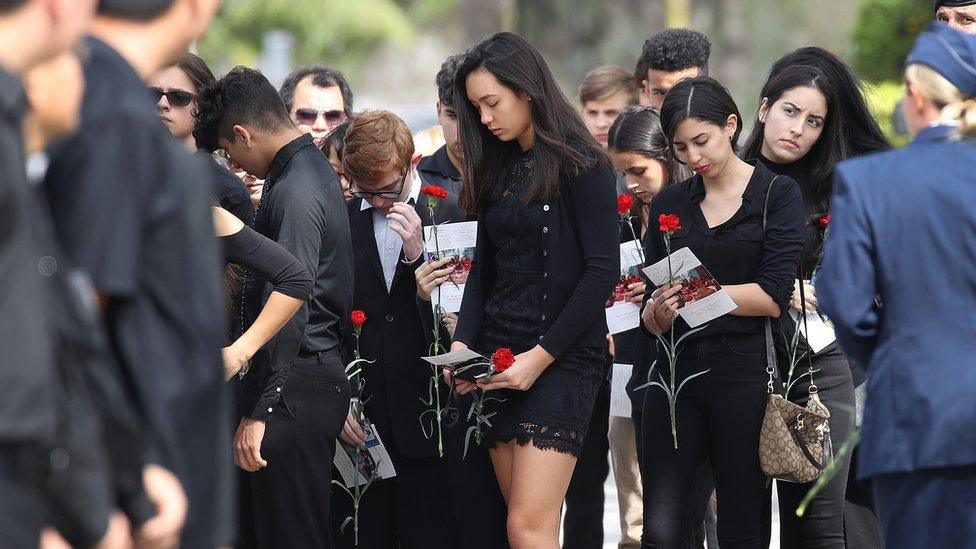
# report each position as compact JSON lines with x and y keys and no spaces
{"x":948,"y":52}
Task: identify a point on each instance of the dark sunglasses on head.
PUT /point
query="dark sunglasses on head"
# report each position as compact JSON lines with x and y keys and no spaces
{"x":309,"y":116}
{"x":175,"y":98}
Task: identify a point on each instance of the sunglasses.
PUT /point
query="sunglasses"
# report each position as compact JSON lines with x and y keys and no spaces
{"x":386,"y":195}
{"x":309,"y":116}
{"x":175,"y":98}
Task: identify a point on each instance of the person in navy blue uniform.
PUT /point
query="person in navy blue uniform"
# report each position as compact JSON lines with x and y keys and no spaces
{"x":898,"y":282}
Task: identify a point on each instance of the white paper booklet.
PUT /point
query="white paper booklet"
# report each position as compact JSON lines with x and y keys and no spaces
{"x":702,"y":297}
{"x":818,"y":332}
{"x":464,"y":363}
{"x":620,"y":405}
{"x":373,"y":459}
{"x":622,"y":315}
{"x":456,"y":242}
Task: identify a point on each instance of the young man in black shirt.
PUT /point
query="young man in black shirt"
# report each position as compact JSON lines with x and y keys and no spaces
{"x":296,"y":394}
{"x":130,"y":208}
{"x":669,"y":57}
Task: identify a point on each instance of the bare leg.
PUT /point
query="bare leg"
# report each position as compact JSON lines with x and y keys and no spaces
{"x":501,"y":461}
{"x":539,"y":480}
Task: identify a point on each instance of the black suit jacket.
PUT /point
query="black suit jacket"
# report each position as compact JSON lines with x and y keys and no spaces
{"x":394,"y":335}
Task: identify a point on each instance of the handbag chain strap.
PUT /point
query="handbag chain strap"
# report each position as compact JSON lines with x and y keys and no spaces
{"x":771,"y":370}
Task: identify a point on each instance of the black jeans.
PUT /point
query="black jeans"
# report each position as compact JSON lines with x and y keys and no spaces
{"x":408,"y":511}
{"x":718,"y":418}
{"x":286,"y":504}
{"x":583,"y":523}
{"x":822,"y":526}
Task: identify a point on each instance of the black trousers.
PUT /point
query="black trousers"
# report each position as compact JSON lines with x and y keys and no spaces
{"x":861,"y":528}
{"x":404,"y":512}
{"x":822,"y":526}
{"x":718,"y":418}
{"x":286,"y":504}
{"x":21,"y":498}
{"x":583,"y":523}
{"x":478,"y":510}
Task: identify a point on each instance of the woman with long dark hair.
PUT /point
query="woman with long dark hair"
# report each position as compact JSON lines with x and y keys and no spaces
{"x":546,"y":259}
{"x":717,"y":415}
{"x":811,"y":116}
{"x":639,"y":151}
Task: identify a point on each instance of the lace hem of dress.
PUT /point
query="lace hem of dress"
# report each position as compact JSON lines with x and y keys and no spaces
{"x":543,"y":437}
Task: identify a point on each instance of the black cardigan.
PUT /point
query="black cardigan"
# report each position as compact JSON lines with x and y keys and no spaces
{"x":580,"y":259}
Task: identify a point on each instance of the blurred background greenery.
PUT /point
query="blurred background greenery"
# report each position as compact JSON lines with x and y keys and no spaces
{"x":390,"y":50}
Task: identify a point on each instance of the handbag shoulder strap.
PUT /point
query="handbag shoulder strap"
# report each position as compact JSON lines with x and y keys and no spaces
{"x":771,"y":370}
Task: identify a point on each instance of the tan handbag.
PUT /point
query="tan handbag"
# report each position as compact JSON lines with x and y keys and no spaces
{"x":794,"y":442}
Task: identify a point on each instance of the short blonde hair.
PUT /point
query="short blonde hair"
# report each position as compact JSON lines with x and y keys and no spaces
{"x":376,"y":143}
{"x":953,"y":105}
{"x":602,"y":82}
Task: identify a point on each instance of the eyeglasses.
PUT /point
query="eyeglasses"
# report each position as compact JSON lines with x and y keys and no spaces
{"x":386,"y":195}
{"x":175,"y":98}
{"x":309,"y":116}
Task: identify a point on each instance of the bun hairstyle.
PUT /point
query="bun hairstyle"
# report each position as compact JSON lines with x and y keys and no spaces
{"x":954,"y":106}
{"x":702,"y":98}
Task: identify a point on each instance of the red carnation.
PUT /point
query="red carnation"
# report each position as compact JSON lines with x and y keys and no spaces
{"x":669,"y":223}
{"x":502,"y":359}
{"x":624,"y":203}
{"x":434,"y":191}
{"x":824,"y":221}
{"x":358,"y":318}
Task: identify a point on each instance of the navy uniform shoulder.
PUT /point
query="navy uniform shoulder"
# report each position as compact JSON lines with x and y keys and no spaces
{"x":876,"y":167}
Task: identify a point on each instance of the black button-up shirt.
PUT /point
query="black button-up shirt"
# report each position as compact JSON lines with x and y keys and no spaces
{"x":302,"y":208}
{"x":132,"y":208}
{"x":737,"y":251}
{"x":26,"y":371}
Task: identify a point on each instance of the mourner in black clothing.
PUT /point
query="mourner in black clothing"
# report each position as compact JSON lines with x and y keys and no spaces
{"x":718,"y":415}
{"x":471,"y":476}
{"x":296,"y":395}
{"x":131,"y":208}
{"x":175,"y":90}
{"x":811,"y":116}
{"x":30,"y":34}
{"x":536,"y":178}
{"x":387,"y":217}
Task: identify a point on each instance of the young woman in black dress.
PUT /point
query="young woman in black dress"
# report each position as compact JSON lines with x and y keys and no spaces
{"x":546,"y":259}
{"x":812,"y":115}
{"x":719,"y":414}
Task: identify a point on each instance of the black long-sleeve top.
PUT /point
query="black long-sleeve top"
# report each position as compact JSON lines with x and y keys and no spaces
{"x":269,"y":261}
{"x":303,"y":210}
{"x":737,"y":251}
{"x":580,"y":259}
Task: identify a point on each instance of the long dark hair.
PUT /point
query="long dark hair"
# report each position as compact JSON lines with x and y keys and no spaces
{"x":862,"y":134}
{"x":818,"y":164}
{"x":702,"y":98}
{"x":850,"y":129}
{"x":638,"y":130}
{"x":562,"y":143}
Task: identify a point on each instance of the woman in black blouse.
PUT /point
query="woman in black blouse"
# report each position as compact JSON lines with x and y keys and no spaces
{"x":719,"y":414}
{"x":811,"y":116}
{"x":546,"y":259}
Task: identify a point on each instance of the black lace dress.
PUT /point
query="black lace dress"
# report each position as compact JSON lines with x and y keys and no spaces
{"x":555,"y":412}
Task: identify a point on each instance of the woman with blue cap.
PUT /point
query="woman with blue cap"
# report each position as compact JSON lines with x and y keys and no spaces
{"x":899,"y":282}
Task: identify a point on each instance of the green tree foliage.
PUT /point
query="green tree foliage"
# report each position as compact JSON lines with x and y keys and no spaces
{"x":884,"y":34}
{"x":340,"y":33}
